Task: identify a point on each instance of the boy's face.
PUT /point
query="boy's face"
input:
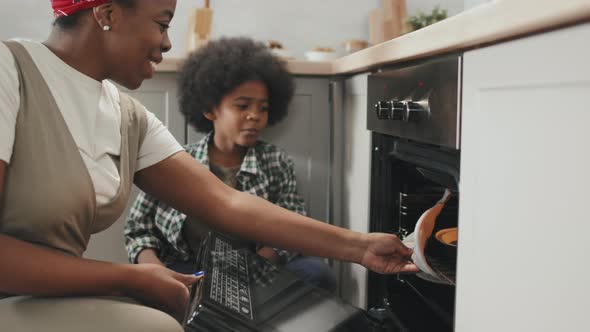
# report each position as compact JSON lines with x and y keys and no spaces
{"x":241,"y":115}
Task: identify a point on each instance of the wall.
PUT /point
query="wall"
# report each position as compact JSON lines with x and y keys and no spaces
{"x":299,"y":25}
{"x":472,"y":3}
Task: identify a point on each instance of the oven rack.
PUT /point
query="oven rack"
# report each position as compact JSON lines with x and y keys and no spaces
{"x":444,"y":268}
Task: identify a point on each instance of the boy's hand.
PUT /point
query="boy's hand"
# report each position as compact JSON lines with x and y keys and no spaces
{"x":270,"y":254}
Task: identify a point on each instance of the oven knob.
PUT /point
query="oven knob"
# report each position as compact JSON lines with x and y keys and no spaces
{"x":397,"y":110}
{"x":382,"y":110}
{"x":416,"y":111}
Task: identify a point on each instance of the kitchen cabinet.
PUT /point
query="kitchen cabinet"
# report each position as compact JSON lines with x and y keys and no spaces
{"x":159,"y":97}
{"x":523,"y":217}
{"x":305,"y":134}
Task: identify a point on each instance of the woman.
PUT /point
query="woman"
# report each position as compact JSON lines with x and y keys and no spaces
{"x":71,"y":146}
{"x":232,"y":107}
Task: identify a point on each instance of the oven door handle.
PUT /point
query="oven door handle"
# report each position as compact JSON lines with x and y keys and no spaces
{"x":436,"y":165}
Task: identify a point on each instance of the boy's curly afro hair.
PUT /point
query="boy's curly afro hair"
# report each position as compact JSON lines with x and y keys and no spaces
{"x":222,"y":65}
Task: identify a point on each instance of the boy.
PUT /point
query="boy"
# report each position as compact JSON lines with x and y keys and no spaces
{"x":230,"y":89}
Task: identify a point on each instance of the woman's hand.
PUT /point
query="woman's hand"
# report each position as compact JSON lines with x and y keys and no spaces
{"x":386,"y":254}
{"x":161,"y":288}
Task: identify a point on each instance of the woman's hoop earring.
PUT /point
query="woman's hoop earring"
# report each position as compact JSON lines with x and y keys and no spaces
{"x":106,"y":28}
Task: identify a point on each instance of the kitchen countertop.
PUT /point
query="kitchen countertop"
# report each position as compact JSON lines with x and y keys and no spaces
{"x":487,"y":24}
{"x":297,"y":67}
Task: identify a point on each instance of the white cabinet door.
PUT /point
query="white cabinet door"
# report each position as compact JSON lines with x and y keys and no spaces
{"x":525,"y":179}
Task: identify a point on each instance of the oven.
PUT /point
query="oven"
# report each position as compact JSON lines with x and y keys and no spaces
{"x":414,"y":118}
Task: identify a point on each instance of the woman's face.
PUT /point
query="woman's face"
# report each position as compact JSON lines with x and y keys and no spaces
{"x":137,"y":40}
{"x":241,"y":115}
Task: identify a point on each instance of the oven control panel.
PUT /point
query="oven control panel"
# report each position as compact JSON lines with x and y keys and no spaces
{"x":418,"y":102}
{"x":403,"y":110}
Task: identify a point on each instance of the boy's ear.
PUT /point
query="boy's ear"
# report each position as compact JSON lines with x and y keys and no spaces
{"x":209,"y":116}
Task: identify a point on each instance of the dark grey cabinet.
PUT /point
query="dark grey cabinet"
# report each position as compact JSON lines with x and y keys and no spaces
{"x":305,"y":134}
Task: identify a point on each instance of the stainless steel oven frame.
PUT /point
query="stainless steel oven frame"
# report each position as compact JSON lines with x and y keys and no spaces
{"x":413,"y":112}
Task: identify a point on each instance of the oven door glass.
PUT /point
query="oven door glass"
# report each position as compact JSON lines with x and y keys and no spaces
{"x":407,"y":179}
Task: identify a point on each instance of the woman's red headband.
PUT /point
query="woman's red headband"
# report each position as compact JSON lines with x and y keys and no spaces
{"x":68,"y":7}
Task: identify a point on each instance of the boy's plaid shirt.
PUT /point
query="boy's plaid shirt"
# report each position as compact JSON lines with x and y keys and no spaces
{"x":266,"y":171}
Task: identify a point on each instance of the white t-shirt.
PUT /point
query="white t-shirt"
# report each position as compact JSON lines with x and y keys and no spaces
{"x":91,"y":111}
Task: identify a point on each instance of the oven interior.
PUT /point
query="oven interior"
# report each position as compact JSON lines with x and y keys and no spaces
{"x":407,"y":178}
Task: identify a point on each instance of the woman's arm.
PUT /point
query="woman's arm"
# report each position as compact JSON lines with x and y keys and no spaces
{"x":27,"y":269}
{"x":183,"y":183}
{"x":32,"y":270}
